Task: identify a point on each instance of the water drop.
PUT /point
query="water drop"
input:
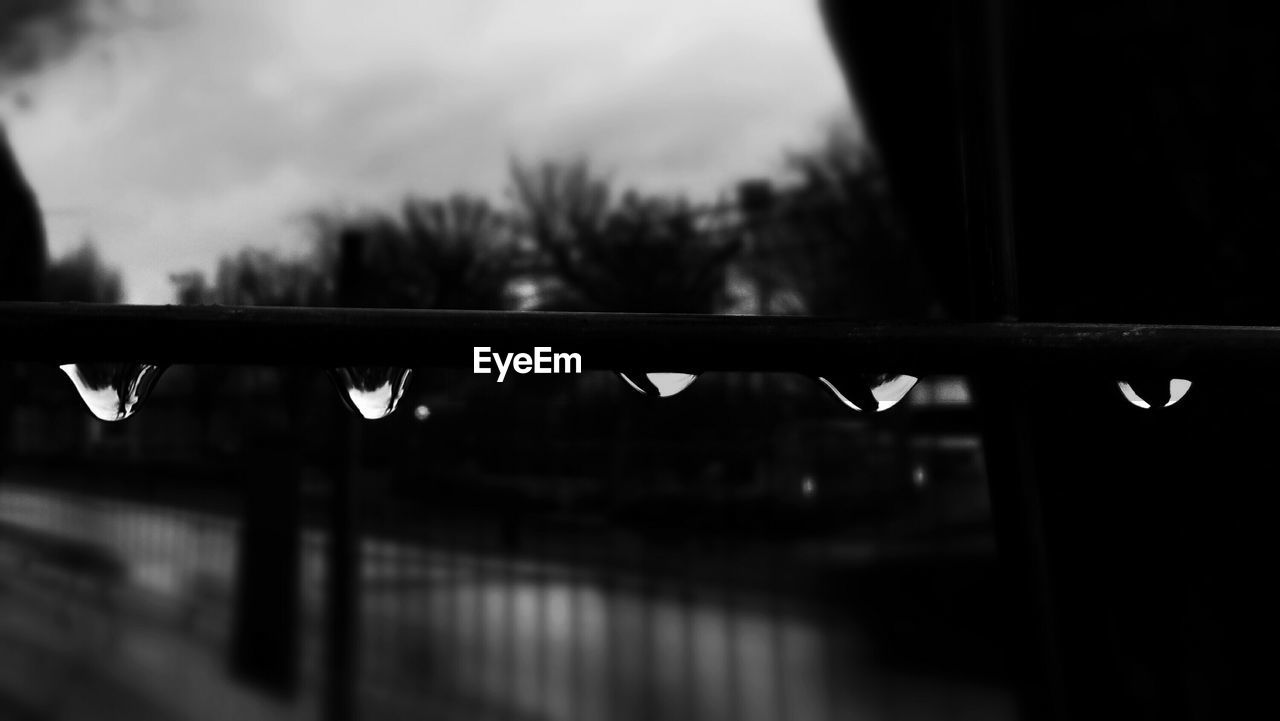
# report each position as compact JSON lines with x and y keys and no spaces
{"x":421,"y":413}
{"x":1154,"y":393}
{"x":870,"y":392}
{"x":662,"y":385}
{"x":113,"y":391}
{"x":371,"y":391}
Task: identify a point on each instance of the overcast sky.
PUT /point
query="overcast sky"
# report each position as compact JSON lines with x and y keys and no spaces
{"x":208,"y":125}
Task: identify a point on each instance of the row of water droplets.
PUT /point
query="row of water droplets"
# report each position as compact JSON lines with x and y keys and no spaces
{"x":113,"y":391}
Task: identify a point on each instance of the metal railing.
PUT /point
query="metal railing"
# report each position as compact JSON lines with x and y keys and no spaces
{"x":332,"y":337}
{"x":327,"y":337}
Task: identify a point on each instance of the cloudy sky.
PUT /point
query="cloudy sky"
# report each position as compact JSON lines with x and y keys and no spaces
{"x":206,"y":125}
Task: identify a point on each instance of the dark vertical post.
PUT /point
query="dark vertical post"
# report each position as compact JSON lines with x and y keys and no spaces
{"x":1018,"y":516}
{"x":22,"y":265}
{"x":936,"y":106}
{"x":756,"y":198}
{"x":343,"y":592}
{"x":343,"y":561}
{"x":264,"y":639}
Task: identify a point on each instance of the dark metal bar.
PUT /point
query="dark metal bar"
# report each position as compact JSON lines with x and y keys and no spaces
{"x":62,"y":333}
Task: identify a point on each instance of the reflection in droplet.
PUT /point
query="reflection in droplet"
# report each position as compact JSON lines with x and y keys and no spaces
{"x":1154,"y":393}
{"x":919,"y":476}
{"x":662,"y":385}
{"x":112,"y":391}
{"x":808,"y":487}
{"x":371,"y":391}
{"x":873,"y":392}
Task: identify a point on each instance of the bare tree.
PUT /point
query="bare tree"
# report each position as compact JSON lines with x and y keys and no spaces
{"x":82,"y":276}
{"x":830,"y":235}
{"x":637,"y":253}
{"x":32,"y":31}
{"x":456,"y":252}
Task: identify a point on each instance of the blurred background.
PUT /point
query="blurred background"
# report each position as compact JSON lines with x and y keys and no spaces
{"x":562,"y":547}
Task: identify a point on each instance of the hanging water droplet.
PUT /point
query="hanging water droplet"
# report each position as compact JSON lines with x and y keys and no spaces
{"x":869,"y":392}
{"x":1154,"y":393}
{"x":662,"y":385}
{"x":371,"y":391}
{"x":112,"y":391}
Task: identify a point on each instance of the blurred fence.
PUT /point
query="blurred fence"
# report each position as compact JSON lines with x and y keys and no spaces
{"x":756,"y":576}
